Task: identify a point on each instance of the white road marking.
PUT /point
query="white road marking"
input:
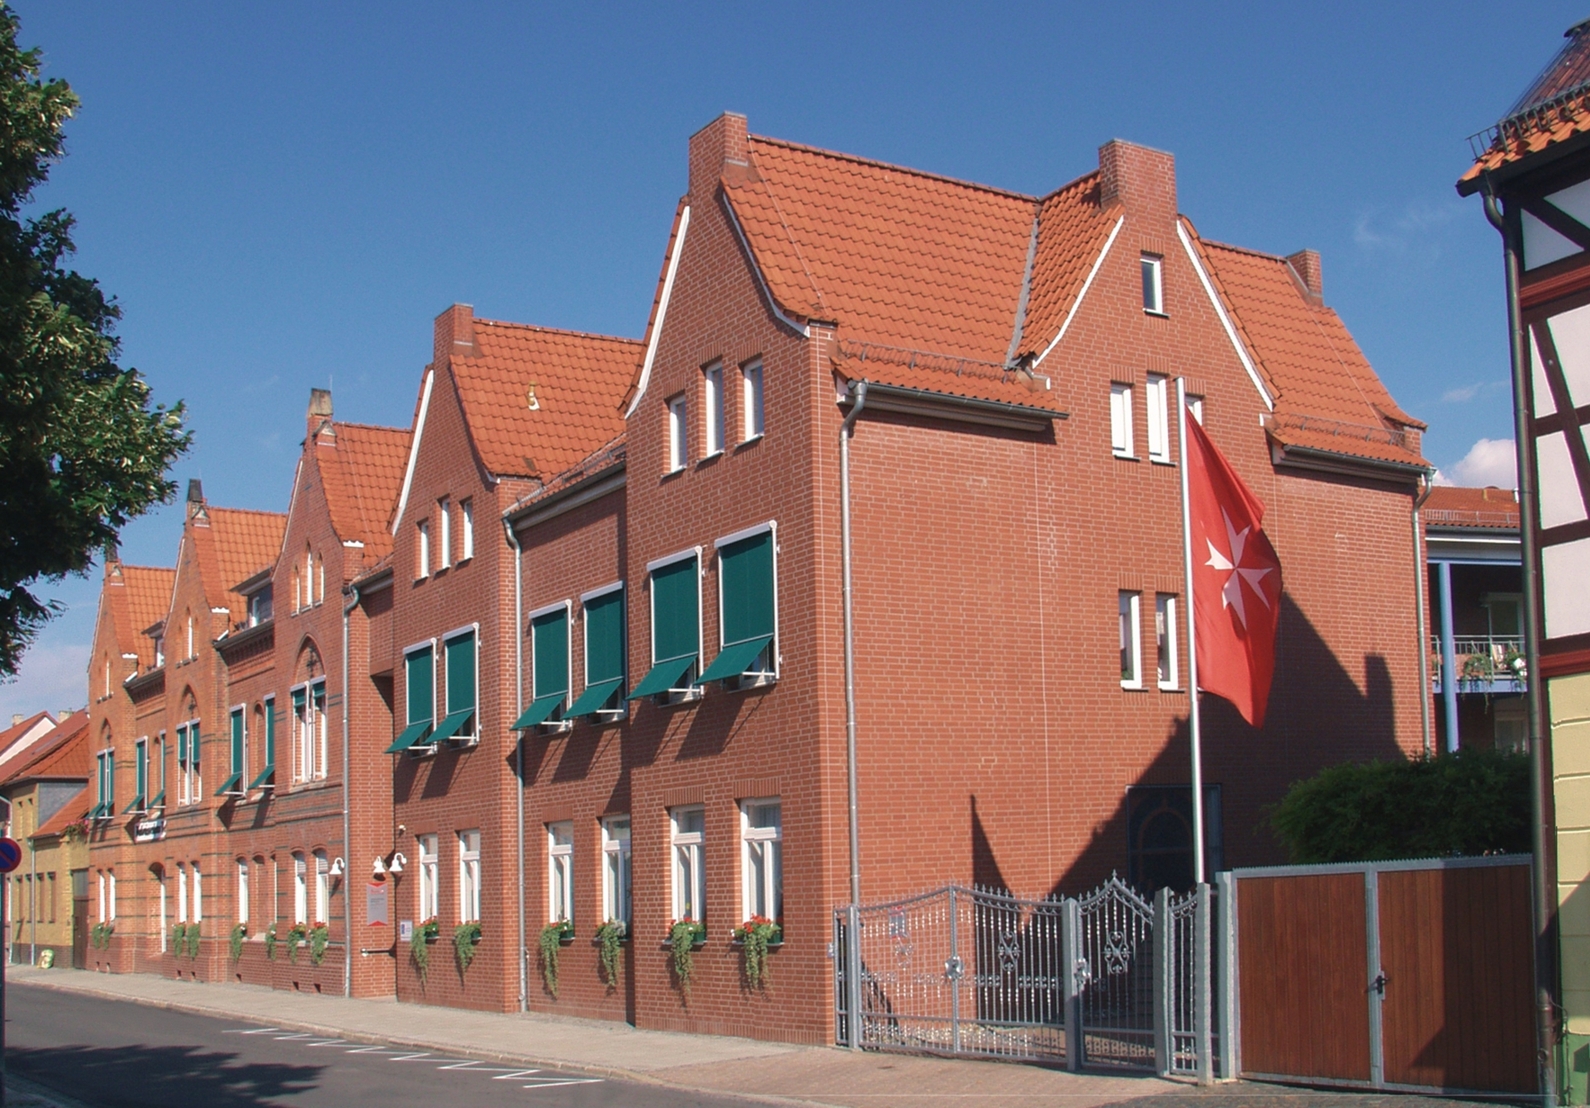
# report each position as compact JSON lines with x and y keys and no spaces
{"x":410,"y":1057}
{"x":515,"y":1073}
{"x":371,"y":1050}
{"x":567,"y":1081}
{"x":250,"y":1030}
{"x":327,"y":1042}
{"x":299,"y":1035}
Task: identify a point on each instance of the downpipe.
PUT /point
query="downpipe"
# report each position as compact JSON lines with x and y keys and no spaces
{"x":852,"y":942}
{"x":518,"y":701}
{"x":347,"y":802}
{"x":1420,"y":573}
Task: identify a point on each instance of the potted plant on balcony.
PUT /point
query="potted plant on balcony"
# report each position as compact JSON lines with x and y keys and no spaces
{"x":296,"y":934}
{"x":234,"y":941}
{"x":466,"y":936}
{"x":754,"y":936}
{"x":425,"y":933}
{"x":610,"y":937}
{"x":271,"y":941}
{"x":319,"y":938}
{"x":684,"y":935}
{"x":553,"y":936}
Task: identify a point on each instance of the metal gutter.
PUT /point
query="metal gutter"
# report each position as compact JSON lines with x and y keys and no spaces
{"x":597,"y":485}
{"x":1420,"y":573}
{"x":858,"y":396}
{"x":518,"y":749}
{"x":960,"y":409}
{"x":352,"y":592}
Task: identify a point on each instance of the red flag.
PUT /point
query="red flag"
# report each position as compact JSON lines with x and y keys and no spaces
{"x":1236,"y":580}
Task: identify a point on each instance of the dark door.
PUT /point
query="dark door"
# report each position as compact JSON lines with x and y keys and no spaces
{"x":80,"y":932}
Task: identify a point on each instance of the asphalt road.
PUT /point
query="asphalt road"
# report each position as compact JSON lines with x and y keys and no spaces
{"x":112,"y":1054}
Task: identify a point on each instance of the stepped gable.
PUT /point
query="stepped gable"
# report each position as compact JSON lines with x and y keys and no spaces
{"x":576,"y":379}
{"x":63,"y":753}
{"x":361,"y":469}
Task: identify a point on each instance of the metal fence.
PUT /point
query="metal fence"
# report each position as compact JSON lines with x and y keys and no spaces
{"x":1108,"y":979}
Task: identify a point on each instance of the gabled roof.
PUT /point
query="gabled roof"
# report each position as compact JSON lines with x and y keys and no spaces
{"x":1488,"y":508}
{"x":361,"y":470}
{"x":147,"y":591}
{"x":578,"y":380}
{"x":234,"y":546}
{"x":63,"y":753}
{"x":25,"y":732}
{"x":69,"y":813}
{"x":1552,"y":110}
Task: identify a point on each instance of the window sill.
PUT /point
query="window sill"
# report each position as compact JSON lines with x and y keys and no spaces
{"x":1132,"y":687}
{"x":672,"y":473}
{"x":1162,"y":461}
{"x":1156,"y":314}
{"x":1171,"y":688}
{"x":1118,"y":456}
{"x":707,"y":459}
{"x":675,"y":697}
{"x":462,"y":562}
{"x":752,"y":441}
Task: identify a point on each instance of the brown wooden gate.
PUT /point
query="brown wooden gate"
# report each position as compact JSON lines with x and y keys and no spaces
{"x":1401,"y":975}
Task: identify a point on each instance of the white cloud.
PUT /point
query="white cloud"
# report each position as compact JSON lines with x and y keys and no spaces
{"x":1469,"y":392}
{"x":1488,"y":462}
{"x":51,"y":678}
{"x":1375,"y":230}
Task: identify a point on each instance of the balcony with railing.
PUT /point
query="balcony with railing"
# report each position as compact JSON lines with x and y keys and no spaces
{"x":1491,"y":664}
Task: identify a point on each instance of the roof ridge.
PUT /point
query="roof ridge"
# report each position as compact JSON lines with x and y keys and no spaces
{"x":369,"y":426}
{"x":162,"y":569}
{"x":1073,"y":183}
{"x":556,"y":330}
{"x":246,"y":511}
{"x":908,"y":170}
{"x":1235,"y":249}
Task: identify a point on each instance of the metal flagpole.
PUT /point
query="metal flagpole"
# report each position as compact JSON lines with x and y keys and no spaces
{"x":1192,"y":645}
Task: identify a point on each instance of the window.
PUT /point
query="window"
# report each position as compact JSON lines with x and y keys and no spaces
{"x":604,"y":654}
{"x":190,"y":653}
{"x":1131,"y":643}
{"x":106,"y":800}
{"x":1195,"y":408}
{"x":1155,"y":395}
{"x":188,"y":777}
{"x":265,"y":715}
{"x":459,"y":723}
{"x":675,"y":627}
{"x":320,"y":579}
{"x":140,"y":775}
{"x":1153,"y":284}
{"x":560,"y":872}
{"x":322,"y":888}
{"x":549,"y":658}
{"x":160,"y":651}
{"x":712,"y":380}
{"x":419,"y":697}
{"x":1165,"y":638}
{"x":182,"y":893}
{"x":466,"y":524}
{"x":242,"y":890}
{"x":616,"y":876}
{"x":468,"y":876}
{"x":102,"y":916}
{"x":303,"y":733}
{"x":111,"y":878}
{"x":160,"y":757}
{"x":677,"y":453}
{"x":751,"y":399}
{"x":298,"y":592}
{"x":430,"y":886}
{"x":1159,"y":822}
{"x":300,"y":889}
{"x":309,"y":578}
{"x":746,"y":616}
{"x":160,"y":880}
{"x":761,"y":859}
{"x":233,"y":785}
{"x":198,"y":895}
{"x":422,"y":549}
{"x":317,"y":709}
{"x":1121,"y":420}
{"x":259,"y":606}
{"x":444,"y":545}
{"x":688,"y":826}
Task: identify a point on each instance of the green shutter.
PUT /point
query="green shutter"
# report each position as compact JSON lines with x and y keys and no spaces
{"x":461,"y":674}
{"x":604,"y":638}
{"x":675,"y":611}
{"x":143,"y":770}
{"x":110,"y":778}
{"x":549,"y":636}
{"x":421,"y":694}
{"x":182,"y":745}
{"x":237,"y":741}
{"x":270,"y":733}
{"x":745,"y":572}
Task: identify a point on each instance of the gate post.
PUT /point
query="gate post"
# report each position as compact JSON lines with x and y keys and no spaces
{"x":1164,"y":937}
{"x":1226,"y":975}
{"x":853,"y":975}
{"x":1202,"y":980}
{"x":1071,"y":962}
{"x":952,"y":970}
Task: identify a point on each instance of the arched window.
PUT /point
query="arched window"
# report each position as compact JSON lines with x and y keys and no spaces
{"x":320,"y":580}
{"x":300,"y":889}
{"x":322,"y":888}
{"x":242,"y":890}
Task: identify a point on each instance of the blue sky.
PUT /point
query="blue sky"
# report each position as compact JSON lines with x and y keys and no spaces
{"x":284,"y":195}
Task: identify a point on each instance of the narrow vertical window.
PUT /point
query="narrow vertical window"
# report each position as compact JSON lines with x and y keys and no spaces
{"x":1153,"y":284}
{"x":688,"y":835}
{"x":184,"y":775}
{"x":616,"y":870}
{"x":419,"y":697}
{"x":444,"y":537}
{"x":430,"y":889}
{"x":198,"y":895}
{"x":1131,"y":642}
{"x":712,"y":382}
{"x":751,"y":399}
{"x":422,"y":549}
{"x":1155,"y":396}
{"x":320,"y":579}
{"x":1121,"y":420}
{"x":182,"y":893}
{"x":322,"y":888}
{"x":190,"y":635}
{"x":160,"y":881}
{"x":233,"y":785}
{"x":269,"y":769}
{"x":1195,"y":408}
{"x":300,"y":737}
{"x":1165,"y":638}
{"x":468,"y":876}
{"x":242,"y":890}
{"x":141,"y":775}
{"x":461,"y":721}
{"x":762,"y":859}
{"x":298,"y":592}
{"x":300,"y":889}
{"x":112,"y":878}
{"x":677,"y":428}
{"x":466,"y":525}
{"x":317,"y":704}
{"x":560,"y":872}
{"x":197,"y":790}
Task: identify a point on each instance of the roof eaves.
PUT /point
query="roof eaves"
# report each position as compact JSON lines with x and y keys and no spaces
{"x":793,"y":318}
{"x":939,"y":405}
{"x":1241,"y":341}
{"x":659,"y":307}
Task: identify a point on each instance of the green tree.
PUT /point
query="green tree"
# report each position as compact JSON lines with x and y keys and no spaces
{"x":82,"y":450}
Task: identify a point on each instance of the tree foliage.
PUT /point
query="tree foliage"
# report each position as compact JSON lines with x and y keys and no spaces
{"x":82,"y":449}
{"x":1472,"y":802}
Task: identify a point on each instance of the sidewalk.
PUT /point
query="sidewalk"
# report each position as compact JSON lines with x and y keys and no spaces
{"x":703,"y":1063}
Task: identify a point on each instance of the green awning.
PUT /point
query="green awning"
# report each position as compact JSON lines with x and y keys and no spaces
{"x":539,"y":712}
{"x":663,"y":676}
{"x":413,"y":733}
{"x":592,"y":699}
{"x":158,"y":802}
{"x":733,"y":659}
{"x":99,"y":810}
{"x":229,"y":786}
{"x":451,"y":725}
{"x":265,"y":775}
{"x":136,"y":806}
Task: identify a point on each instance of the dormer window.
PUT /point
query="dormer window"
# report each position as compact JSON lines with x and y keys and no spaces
{"x":259,"y":606}
{"x":160,"y":651}
{"x":1153,"y":284}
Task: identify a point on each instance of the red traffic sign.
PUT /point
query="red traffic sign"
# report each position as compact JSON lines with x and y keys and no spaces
{"x":10,"y":855}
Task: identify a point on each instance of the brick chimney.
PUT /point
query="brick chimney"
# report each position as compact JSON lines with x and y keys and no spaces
{"x":1140,"y":179}
{"x":1305,"y":264}
{"x":195,"y":498}
{"x":455,"y":334}
{"x":318,"y":417}
{"x":721,"y":144}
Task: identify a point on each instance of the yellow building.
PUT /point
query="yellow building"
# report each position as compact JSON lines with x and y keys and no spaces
{"x":48,"y":794}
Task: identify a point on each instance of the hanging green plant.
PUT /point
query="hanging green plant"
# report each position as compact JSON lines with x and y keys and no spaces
{"x":552,"y":936}
{"x":296,"y":934}
{"x":419,"y":945}
{"x":466,"y":936}
{"x":611,"y":935}
{"x":193,"y":940}
{"x":754,"y":936}
{"x":234,"y":941}
{"x":683,"y":935}
{"x":319,"y":939}
{"x":271,"y":941}
{"x":99,"y":935}
{"x":179,"y":939}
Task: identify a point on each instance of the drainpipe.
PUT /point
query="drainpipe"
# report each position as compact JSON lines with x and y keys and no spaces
{"x":347,"y":803}
{"x":1420,"y":572}
{"x":859,"y":394}
{"x":1544,"y":871}
{"x":518,"y":694}
{"x":1448,"y":661}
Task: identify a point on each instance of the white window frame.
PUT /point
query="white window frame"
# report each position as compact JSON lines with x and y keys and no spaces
{"x":622,"y":711}
{"x":1130,"y":614}
{"x":422,"y":549}
{"x":321,"y":735}
{"x":1121,"y":420}
{"x":111,"y":875}
{"x":439,"y":658}
{"x":160,"y":881}
{"x":771,"y":526}
{"x":300,"y":888}
{"x":686,"y":858}
{"x":242,"y":890}
{"x":182,"y":893}
{"x":429,"y":885}
{"x":198,"y":894}
{"x":466,"y":520}
{"x":617,"y":869}
{"x":769,"y":842}
{"x":322,"y":888}
{"x":469,"y":875}
{"x":560,"y":871}
{"x":444,"y":538}
{"x":662,"y":563}
{"x":567,"y":608}
{"x":414,"y":648}
{"x":1152,"y":268}
{"x":302,"y":724}
{"x":678,"y":433}
{"x":1195,"y":408}
{"x":1156,"y":397}
{"x":1166,"y":606}
{"x":753,"y":414}
{"x":713,"y":415}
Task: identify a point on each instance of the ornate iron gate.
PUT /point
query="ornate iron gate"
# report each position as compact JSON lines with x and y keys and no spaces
{"x":1116,"y":990}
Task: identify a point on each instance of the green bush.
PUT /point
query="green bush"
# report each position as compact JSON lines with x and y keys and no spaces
{"x":1472,"y":802}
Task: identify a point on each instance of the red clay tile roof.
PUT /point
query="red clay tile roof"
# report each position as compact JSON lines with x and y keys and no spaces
{"x":609,"y":458}
{"x":1553,"y":109}
{"x":1072,"y":231}
{"x":148,"y":599}
{"x":1489,"y":508}
{"x":236,"y":545}
{"x":362,"y":472}
{"x":69,"y":813}
{"x":578,"y":381}
{"x":11,"y":734}
{"x":1327,"y":396}
{"x":61,"y":753}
